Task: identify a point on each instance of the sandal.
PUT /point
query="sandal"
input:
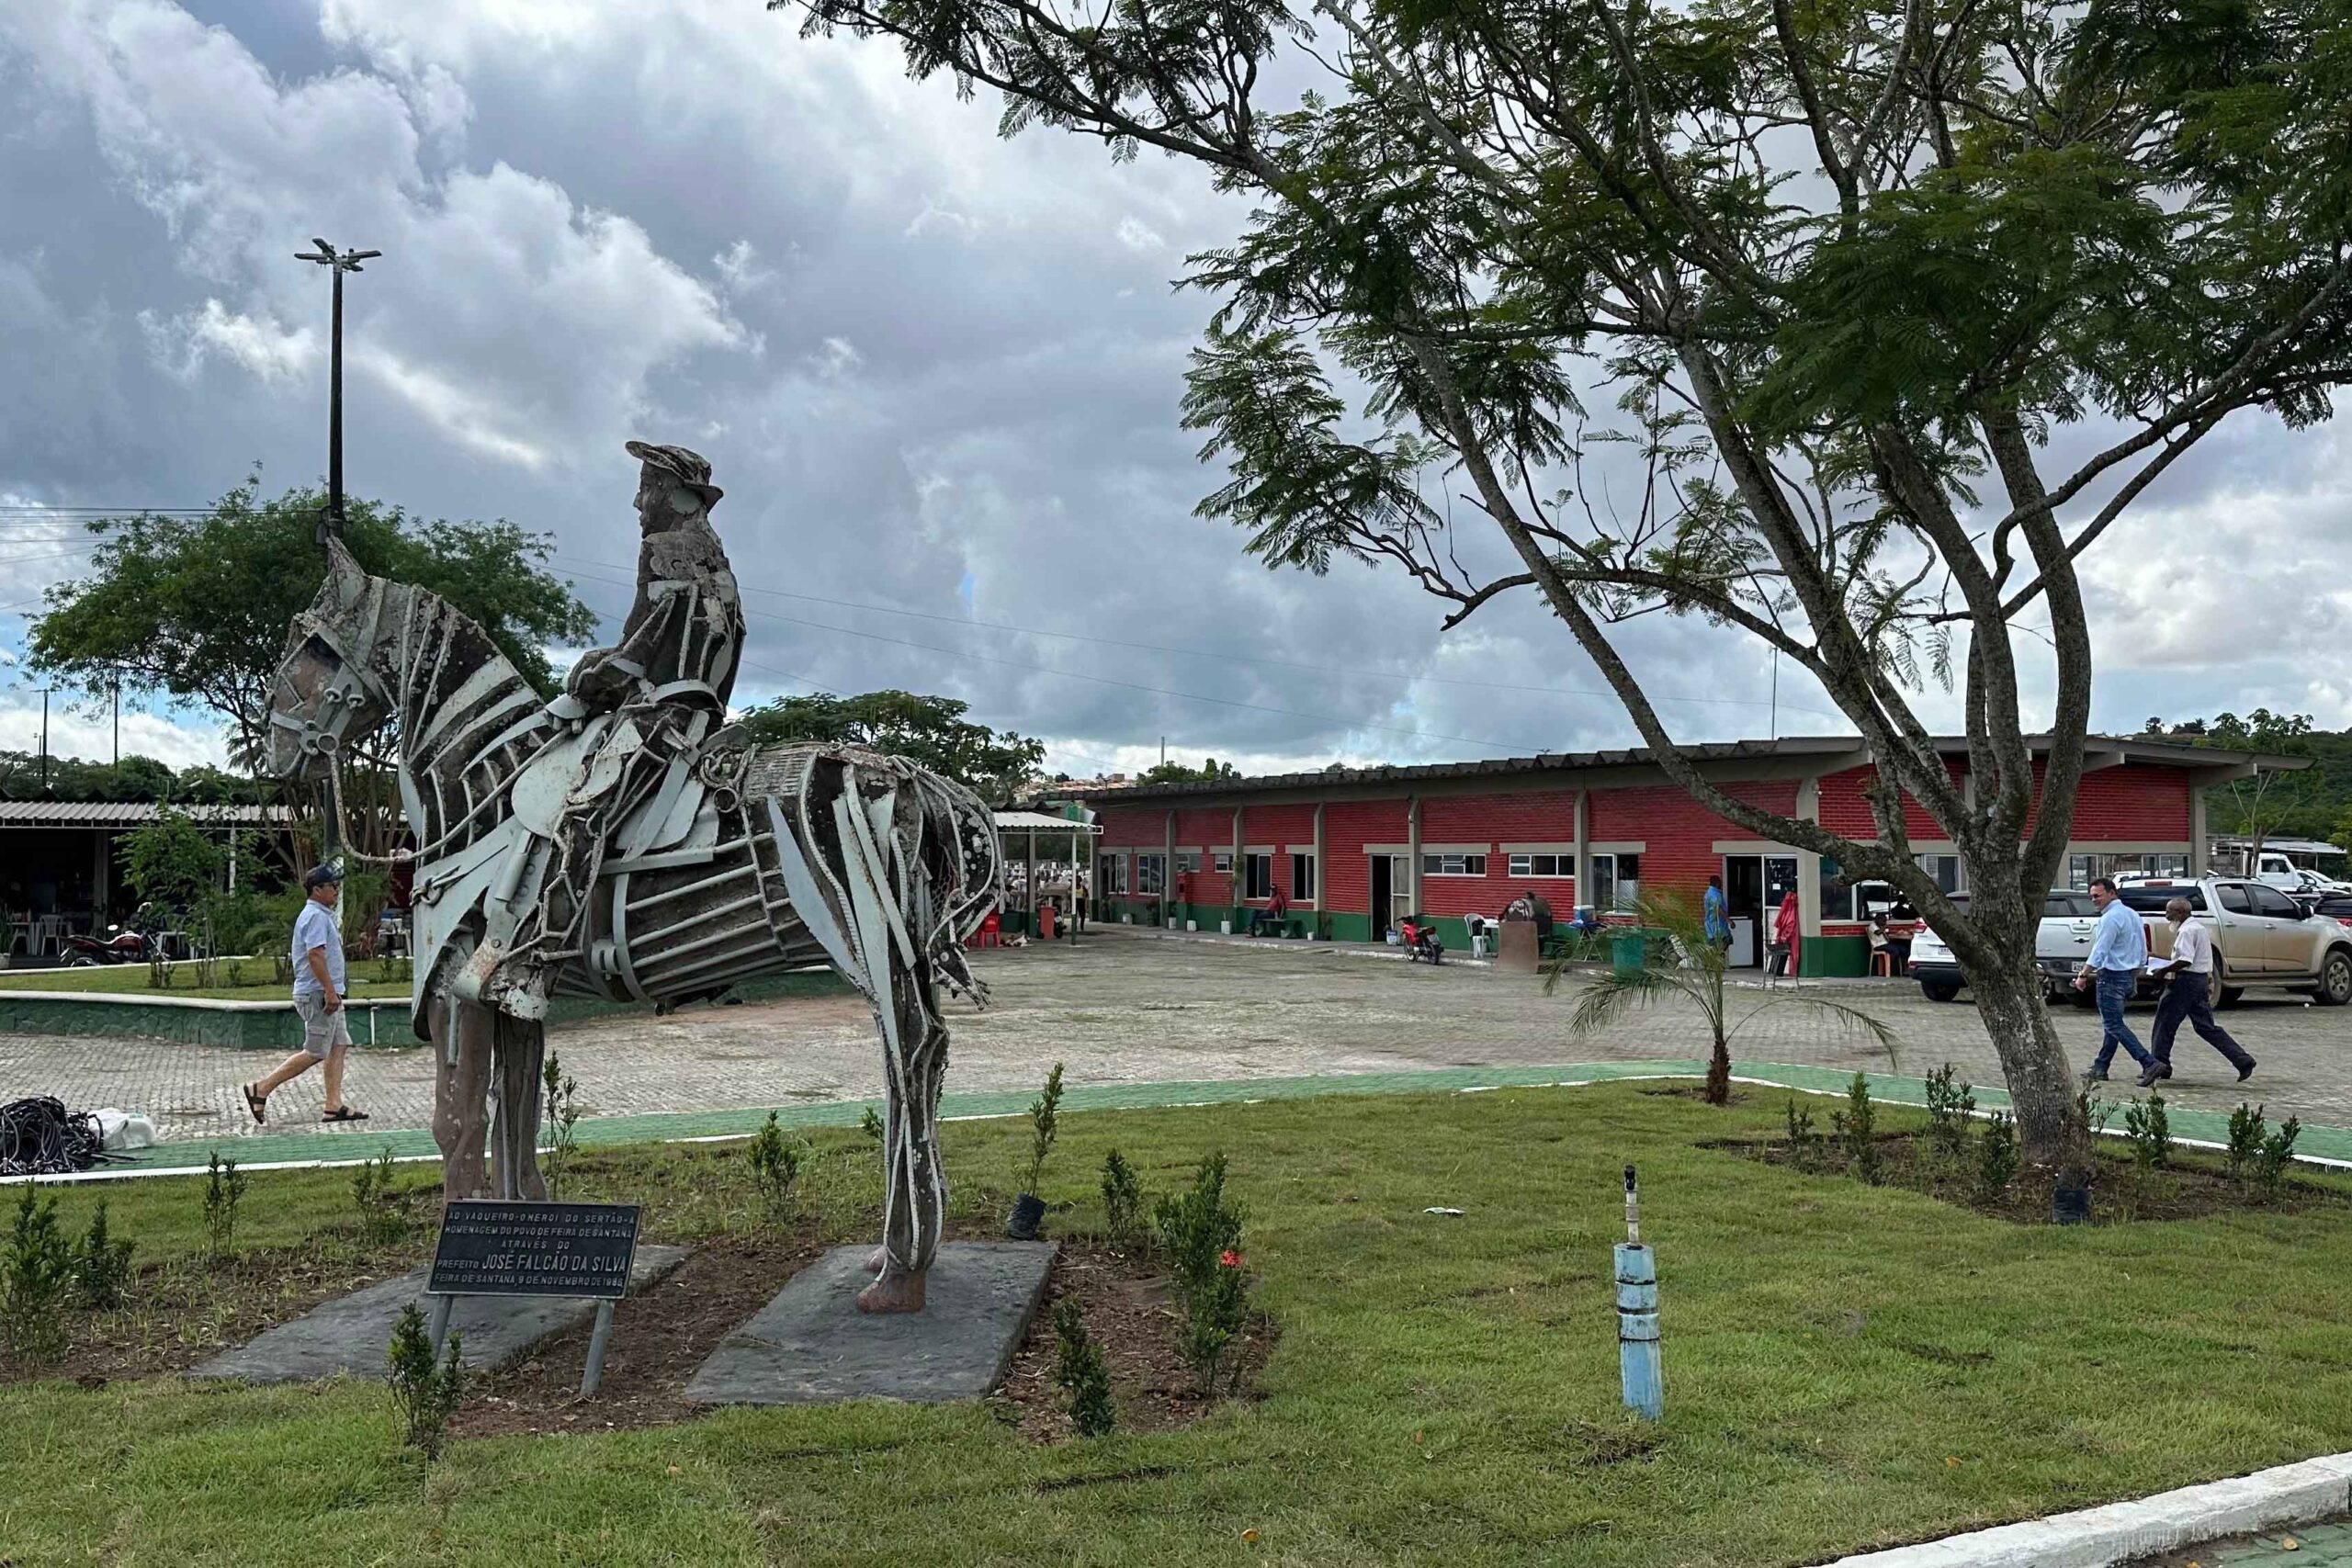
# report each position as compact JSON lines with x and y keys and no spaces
{"x":345,"y":1113}
{"x":256,"y":1103}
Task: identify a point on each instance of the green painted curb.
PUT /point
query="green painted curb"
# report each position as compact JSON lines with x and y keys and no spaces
{"x":2323,"y":1142}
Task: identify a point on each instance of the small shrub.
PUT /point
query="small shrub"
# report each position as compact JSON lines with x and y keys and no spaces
{"x":33,"y":1281}
{"x":102,"y":1265}
{"x":425,"y":1394}
{"x":2278,"y":1150}
{"x":224,"y":1188}
{"x":2149,"y":1131}
{"x":2096,"y":1113}
{"x":1852,"y":1128}
{"x":1950,"y":1108}
{"x":384,"y":1217}
{"x":236,"y":968}
{"x":1084,"y":1373}
{"x":2247,"y":1131}
{"x":1122,"y":1202}
{"x":393,"y":971}
{"x":1044,"y":1126}
{"x":1997,"y":1155}
{"x":1201,"y":1233}
{"x":563,"y":1117}
{"x":1803,"y":1139}
{"x":871,"y":1125}
{"x":775,"y":1164}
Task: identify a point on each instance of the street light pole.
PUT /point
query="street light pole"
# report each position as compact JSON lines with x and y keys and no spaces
{"x":337,"y":263}
{"x":44,"y":742}
{"x":331,"y":524}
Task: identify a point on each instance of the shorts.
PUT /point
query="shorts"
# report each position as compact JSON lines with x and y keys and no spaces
{"x":323,"y":1033}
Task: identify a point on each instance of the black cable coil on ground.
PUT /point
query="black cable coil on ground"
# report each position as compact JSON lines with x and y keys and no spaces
{"x":39,"y":1137}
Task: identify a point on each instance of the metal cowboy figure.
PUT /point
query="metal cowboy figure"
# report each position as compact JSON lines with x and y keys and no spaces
{"x":641,"y":712}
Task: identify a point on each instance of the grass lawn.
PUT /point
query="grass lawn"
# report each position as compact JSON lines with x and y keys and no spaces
{"x":129,"y":980}
{"x":1846,"y":1366}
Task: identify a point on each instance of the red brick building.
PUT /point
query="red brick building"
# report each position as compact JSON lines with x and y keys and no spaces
{"x":1356,"y":848}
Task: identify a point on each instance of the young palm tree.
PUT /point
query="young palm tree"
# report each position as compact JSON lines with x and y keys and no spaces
{"x":1691,"y":966}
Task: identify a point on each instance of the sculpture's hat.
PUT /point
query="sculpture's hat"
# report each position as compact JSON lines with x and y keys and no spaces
{"x":691,"y":470}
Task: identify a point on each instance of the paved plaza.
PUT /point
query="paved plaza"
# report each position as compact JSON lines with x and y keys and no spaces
{"x":1131,"y":1009}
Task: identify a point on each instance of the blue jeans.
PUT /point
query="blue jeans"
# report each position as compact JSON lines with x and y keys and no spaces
{"x":2115,"y":988}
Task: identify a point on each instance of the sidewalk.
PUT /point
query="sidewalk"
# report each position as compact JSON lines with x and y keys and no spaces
{"x":2330,"y":1145}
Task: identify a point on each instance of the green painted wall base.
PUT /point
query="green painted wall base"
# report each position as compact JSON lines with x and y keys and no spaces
{"x":255,"y":1026}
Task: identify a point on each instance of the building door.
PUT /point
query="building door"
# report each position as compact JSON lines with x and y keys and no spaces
{"x":1380,"y":895}
{"x":1743,"y":903}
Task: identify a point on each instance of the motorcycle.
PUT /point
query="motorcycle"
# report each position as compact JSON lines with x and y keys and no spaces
{"x":1419,"y":938}
{"x":136,"y":945}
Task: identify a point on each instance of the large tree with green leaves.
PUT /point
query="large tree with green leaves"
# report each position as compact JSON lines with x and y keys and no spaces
{"x":929,"y":730}
{"x":196,"y":608}
{"x":1890,"y":307}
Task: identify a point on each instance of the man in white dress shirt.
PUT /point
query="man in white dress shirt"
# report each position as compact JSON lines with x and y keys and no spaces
{"x":2187,"y":995}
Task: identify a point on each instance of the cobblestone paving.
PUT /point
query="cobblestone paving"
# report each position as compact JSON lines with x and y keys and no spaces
{"x":1131,"y":1010}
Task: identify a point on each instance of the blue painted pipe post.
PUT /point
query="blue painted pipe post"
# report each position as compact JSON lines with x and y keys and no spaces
{"x":1637,"y":1342}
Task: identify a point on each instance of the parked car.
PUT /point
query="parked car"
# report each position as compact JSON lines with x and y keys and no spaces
{"x":2060,"y":946}
{"x":2261,"y":937}
{"x":2295,"y":880}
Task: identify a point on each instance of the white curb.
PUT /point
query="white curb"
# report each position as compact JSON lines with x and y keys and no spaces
{"x":2117,"y":1532}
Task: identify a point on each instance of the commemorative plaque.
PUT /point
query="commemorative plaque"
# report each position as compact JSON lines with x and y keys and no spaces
{"x":493,"y":1248}
{"x":505,"y":1248}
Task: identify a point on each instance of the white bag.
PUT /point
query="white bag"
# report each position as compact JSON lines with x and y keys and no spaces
{"x":122,"y":1130}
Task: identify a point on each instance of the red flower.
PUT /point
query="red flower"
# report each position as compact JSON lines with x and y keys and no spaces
{"x":1231,"y":1259}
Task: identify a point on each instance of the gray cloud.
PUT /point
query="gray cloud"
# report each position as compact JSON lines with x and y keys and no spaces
{"x":936,"y":372}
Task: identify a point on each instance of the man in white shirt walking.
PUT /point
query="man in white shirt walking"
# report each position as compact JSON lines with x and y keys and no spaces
{"x":319,"y":993}
{"x":2187,"y":995}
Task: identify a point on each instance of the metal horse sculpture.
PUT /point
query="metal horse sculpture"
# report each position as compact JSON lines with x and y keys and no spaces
{"x":745,"y":861}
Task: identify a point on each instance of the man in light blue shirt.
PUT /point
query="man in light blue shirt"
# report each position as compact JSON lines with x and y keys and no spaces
{"x":319,"y":992}
{"x":2118,"y":955}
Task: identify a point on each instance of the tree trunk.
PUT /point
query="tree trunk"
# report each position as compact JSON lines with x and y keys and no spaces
{"x":1999,"y":965}
{"x":1719,"y":1072}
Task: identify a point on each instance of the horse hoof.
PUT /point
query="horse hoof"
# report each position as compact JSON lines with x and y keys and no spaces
{"x":892,"y":1293}
{"x":878,"y":1259}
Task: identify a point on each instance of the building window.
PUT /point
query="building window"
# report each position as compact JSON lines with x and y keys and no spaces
{"x":1843,"y":900}
{"x":1543,"y":865}
{"x":1616,"y":882}
{"x":1151,"y":876}
{"x":1188,"y":860}
{"x":2164,"y":865}
{"x":1110,"y":876}
{"x":1258,"y":876}
{"x":1453,"y":865}
{"x":1945,"y":869}
{"x":1302,"y":878}
{"x":1223,"y":861}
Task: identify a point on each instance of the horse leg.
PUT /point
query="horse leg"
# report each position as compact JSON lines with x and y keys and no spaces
{"x":460,"y":1090}
{"x":915,"y":1189}
{"x":520,"y":1048}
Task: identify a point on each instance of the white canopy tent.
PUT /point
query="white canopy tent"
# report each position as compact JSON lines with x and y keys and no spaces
{"x":1026,"y":826}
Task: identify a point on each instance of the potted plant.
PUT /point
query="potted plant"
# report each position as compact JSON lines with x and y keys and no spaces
{"x":1028,"y":1208}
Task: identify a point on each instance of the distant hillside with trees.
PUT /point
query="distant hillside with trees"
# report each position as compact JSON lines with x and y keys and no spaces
{"x":2315,"y":803}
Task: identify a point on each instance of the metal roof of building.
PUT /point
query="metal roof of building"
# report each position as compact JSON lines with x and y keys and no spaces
{"x":129,"y":813}
{"x":2130,"y":749}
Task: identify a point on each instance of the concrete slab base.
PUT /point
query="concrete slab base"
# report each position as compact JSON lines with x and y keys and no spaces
{"x":811,"y":1346}
{"x":351,"y":1333}
{"x":2117,"y":1532}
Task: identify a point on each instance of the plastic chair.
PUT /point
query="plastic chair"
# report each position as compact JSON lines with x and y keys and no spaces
{"x":990,"y":934}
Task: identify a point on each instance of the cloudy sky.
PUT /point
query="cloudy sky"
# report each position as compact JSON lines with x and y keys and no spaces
{"x":936,"y":372}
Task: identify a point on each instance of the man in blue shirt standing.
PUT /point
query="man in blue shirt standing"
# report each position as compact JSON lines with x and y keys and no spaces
{"x":2119,"y":954}
{"x":1718,"y":924}
{"x":319,"y":993}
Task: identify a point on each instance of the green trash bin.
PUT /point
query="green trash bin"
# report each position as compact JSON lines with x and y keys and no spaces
{"x":1628,"y":950}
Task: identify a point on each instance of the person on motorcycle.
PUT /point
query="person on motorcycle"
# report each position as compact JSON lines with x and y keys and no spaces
{"x":667,"y":680}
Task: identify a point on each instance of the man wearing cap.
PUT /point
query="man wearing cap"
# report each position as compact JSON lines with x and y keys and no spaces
{"x":668,"y":679}
{"x":319,"y":991}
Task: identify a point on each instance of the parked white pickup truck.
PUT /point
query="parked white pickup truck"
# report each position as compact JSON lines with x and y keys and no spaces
{"x":2261,"y":937}
{"x":2059,"y":947}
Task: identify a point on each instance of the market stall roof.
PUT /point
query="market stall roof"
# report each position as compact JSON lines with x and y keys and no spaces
{"x":130,"y":814}
{"x":1040,"y":822}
